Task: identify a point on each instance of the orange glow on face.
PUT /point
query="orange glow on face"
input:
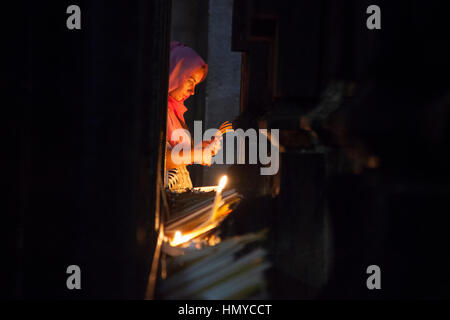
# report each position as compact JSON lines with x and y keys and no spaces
{"x":187,"y":87}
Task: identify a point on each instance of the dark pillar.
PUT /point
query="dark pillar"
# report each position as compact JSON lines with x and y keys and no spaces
{"x":91,"y":123}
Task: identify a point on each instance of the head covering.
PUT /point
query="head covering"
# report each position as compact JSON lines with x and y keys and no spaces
{"x":183,"y":62}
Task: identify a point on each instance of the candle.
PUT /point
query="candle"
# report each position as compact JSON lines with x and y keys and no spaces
{"x":217,"y":198}
{"x":222,"y":183}
{"x":209,"y":224}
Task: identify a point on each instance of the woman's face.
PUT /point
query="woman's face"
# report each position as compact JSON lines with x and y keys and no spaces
{"x":187,"y":88}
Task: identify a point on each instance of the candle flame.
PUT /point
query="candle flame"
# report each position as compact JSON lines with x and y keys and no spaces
{"x":179,"y":238}
{"x":211,"y":222}
{"x":222,"y":183}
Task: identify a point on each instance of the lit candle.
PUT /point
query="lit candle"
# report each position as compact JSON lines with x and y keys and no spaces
{"x":177,"y":237}
{"x":180,"y":238}
{"x":217,"y":198}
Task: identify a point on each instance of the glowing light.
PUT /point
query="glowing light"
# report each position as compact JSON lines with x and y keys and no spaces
{"x":179,"y":238}
{"x":222,"y":183}
{"x":217,"y":198}
{"x":210,"y":223}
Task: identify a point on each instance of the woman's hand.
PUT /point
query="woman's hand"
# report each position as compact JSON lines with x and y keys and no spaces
{"x":216,"y":145}
{"x":207,"y":158}
{"x":206,"y":143}
{"x":202,"y":154}
{"x":204,"y":151}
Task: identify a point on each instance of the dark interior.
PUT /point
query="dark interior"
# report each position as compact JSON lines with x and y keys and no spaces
{"x":363,"y":118}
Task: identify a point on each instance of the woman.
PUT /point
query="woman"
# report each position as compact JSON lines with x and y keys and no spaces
{"x":187,"y":69}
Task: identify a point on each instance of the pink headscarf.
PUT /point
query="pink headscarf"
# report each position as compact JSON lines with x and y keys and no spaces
{"x":183,"y":62}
